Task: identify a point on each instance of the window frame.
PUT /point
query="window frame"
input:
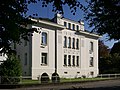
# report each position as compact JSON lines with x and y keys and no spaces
{"x":73,"y":43}
{"x":44,"y":38}
{"x":65,"y":60}
{"x":73,"y":60}
{"x":69,"y":25}
{"x":69,"y":42}
{"x":69,"y":60}
{"x":65,"y":24}
{"x":77,"y":43}
{"x":44,"y":58}
{"x":77,"y":27}
{"x":65,"y":42}
{"x":77,"y":61}
{"x":91,"y":47}
{"x":91,"y":63}
{"x":73,"y":26}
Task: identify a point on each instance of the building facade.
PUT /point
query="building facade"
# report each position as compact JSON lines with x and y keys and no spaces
{"x":61,"y":45}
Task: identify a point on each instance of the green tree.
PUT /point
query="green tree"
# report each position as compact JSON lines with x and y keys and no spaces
{"x":104,"y":17}
{"x":115,"y":48}
{"x":103,"y":57}
{"x":10,"y":70}
{"x":13,"y":20}
{"x":103,"y":50}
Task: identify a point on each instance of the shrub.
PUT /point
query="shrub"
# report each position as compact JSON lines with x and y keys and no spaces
{"x":45,"y":78}
{"x":10,"y":70}
{"x":55,"y":78}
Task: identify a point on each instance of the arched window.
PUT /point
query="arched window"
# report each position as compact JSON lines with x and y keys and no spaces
{"x":91,"y":46}
{"x":69,"y":60}
{"x":44,"y":38}
{"x":73,"y":43}
{"x":69,"y":42}
{"x":77,"y":44}
{"x":77,"y":61}
{"x":65,"y":41}
{"x":73,"y":62}
{"x":65,"y":60}
{"x":77,"y":27}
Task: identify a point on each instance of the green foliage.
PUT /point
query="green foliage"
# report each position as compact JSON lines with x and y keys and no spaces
{"x":115,"y":48}
{"x":45,"y":78}
{"x":104,"y":16}
{"x":110,"y":64}
{"x":10,"y":70}
{"x":55,"y":78}
{"x":103,"y":50}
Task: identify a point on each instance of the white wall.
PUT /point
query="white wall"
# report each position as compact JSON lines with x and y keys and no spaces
{"x":37,"y":49}
{"x":83,"y":53}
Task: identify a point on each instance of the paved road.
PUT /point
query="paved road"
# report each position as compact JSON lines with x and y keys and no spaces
{"x":99,"y":85}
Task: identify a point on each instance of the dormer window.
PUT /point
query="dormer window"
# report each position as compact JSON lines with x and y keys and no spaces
{"x":73,"y":27}
{"x":65,"y":24}
{"x":69,"y":25}
{"x":77,"y":27}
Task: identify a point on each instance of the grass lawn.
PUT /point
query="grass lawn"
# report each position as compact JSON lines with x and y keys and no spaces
{"x":81,"y":79}
{"x":28,"y":81}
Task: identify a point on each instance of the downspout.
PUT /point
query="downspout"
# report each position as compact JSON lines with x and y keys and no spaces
{"x":55,"y":50}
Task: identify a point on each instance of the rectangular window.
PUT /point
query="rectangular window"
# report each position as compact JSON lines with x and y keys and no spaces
{"x":69,"y":25}
{"x":65,"y":24}
{"x":25,"y":59}
{"x":44,"y":38}
{"x":77,"y":61}
{"x":69,"y":60}
{"x":91,"y":61}
{"x":73,"y":27}
{"x":73,"y":58}
{"x":65,"y":60}
{"x":44,"y":59}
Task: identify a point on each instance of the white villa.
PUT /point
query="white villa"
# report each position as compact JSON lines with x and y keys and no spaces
{"x":61,"y":45}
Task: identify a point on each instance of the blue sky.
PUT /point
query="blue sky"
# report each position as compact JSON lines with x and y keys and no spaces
{"x":46,"y":12}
